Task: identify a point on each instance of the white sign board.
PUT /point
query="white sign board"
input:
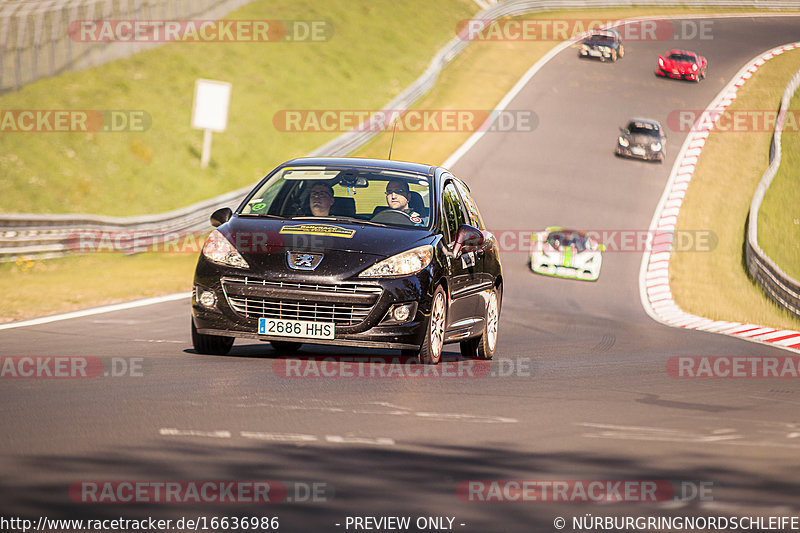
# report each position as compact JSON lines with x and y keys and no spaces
{"x":210,"y":109}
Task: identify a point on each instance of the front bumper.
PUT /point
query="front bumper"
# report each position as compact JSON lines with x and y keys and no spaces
{"x":593,"y":52}
{"x":640,"y":152}
{"x":566,"y":272}
{"x":692,"y":76}
{"x":364,"y":324}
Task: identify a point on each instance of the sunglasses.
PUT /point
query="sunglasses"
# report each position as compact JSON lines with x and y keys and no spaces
{"x":401,"y":192}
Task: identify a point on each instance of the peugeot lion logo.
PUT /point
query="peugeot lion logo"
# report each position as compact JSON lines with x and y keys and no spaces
{"x":304,"y":261}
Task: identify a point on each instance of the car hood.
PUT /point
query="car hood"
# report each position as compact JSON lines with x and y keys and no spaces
{"x":348,"y":248}
{"x":567,"y":256}
{"x":684,"y":67}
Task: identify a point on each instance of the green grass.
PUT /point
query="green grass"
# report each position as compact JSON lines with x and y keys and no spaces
{"x":716,"y":284}
{"x":36,"y":288}
{"x":104,"y":170}
{"x":377,"y":50}
{"x":779,"y":217}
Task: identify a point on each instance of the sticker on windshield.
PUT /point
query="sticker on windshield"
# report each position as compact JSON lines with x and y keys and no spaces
{"x":318,"y":229}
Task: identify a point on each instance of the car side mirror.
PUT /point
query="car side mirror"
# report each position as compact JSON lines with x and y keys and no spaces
{"x":221,"y":216}
{"x":468,"y":239}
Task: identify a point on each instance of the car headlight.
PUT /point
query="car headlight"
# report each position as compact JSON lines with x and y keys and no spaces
{"x":218,"y":249}
{"x":694,"y":67}
{"x":655,"y":147}
{"x":660,"y":62}
{"x":402,"y":264}
{"x":623,"y":142}
{"x":584,"y":47}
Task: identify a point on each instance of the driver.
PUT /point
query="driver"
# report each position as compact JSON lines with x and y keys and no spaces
{"x":320,"y":199}
{"x":397,"y":194}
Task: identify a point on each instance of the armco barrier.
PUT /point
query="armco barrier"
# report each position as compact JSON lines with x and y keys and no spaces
{"x":778,"y":285}
{"x":24,"y":235}
{"x":35,"y":41}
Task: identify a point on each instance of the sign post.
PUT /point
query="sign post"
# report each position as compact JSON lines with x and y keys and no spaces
{"x":210,"y":111}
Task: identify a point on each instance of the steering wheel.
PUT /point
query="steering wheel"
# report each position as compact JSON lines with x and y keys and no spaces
{"x":393,"y":216}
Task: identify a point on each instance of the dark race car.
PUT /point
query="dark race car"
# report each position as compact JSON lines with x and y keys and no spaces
{"x":351,"y":252}
{"x":602,"y":44}
{"x":643,"y":138}
{"x":682,"y":65}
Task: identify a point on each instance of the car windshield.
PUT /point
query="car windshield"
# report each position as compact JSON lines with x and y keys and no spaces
{"x":682,"y":58}
{"x":643,"y":128}
{"x":560,"y":239}
{"x":602,"y":37}
{"x":381,"y":196}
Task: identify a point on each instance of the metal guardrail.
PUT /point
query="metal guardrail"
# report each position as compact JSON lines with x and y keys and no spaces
{"x":35,"y":41}
{"x":778,"y":285}
{"x":43,"y":236}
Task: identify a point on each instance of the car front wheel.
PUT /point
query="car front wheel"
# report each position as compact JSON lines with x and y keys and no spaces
{"x":210,"y":344}
{"x":431,"y":350}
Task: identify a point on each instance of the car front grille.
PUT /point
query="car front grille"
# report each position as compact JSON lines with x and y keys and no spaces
{"x":344,"y":304}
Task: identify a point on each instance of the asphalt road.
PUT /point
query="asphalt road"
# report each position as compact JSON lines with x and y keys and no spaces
{"x":579,"y":389}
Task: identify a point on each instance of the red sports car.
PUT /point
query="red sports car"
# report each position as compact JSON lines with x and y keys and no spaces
{"x":682,"y":65}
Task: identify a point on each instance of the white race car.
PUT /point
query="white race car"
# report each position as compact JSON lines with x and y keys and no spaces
{"x":566,"y":253}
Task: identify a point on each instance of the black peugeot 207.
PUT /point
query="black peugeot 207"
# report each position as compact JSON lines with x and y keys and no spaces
{"x":351,"y":252}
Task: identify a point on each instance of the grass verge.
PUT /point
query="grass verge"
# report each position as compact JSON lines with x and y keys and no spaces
{"x":376,"y":50}
{"x":779,"y":217}
{"x":716,"y":284}
{"x":477,"y":79}
{"x":80,"y":281}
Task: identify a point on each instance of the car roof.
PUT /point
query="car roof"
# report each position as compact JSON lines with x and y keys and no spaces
{"x":566,"y":231}
{"x":605,"y":33}
{"x":383,"y":164}
{"x":646,"y":121}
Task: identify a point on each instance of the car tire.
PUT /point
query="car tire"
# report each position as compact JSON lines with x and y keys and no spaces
{"x":621,"y":51}
{"x":210,"y":344}
{"x":431,"y":350}
{"x":285,"y":346}
{"x":614,"y":55}
{"x":483,"y":347}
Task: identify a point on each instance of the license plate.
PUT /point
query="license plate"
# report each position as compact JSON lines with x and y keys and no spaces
{"x":295,"y":328}
{"x":595,"y":53}
{"x":637,"y":150}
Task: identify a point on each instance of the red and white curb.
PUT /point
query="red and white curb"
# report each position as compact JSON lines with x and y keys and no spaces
{"x":654,"y":288}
